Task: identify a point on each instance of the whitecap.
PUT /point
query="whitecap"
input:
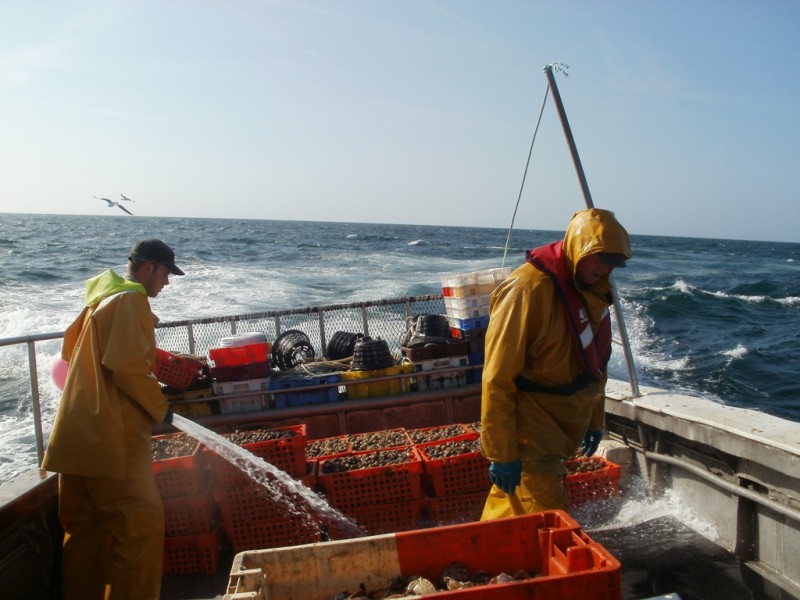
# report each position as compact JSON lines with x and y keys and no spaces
{"x":737,"y":352}
{"x":742,"y":297}
{"x":681,"y":286}
{"x":419,"y":243}
{"x":790,"y":301}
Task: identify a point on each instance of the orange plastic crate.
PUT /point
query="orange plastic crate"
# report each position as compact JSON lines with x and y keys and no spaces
{"x":374,"y":485}
{"x":274,"y":532}
{"x":437,"y":434}
{"x":329,"y":447}
{"x":592,"y":485}
{"x":568,"y":564}
{"x":383,"y":518}
{"x":182,"y":475}
{"x":462,"y":508}
{"x":455,"y":475}
{"x":176,"y":371}
{"x":192,"y":553}
{"x":189,"y":515}
{"x":253,"y":518}
{"x":288,"y":454}
{"x":358,"y":441}
{"x":240,"y":355}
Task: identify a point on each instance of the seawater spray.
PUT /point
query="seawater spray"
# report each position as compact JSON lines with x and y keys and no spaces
{"x":283,"y":487}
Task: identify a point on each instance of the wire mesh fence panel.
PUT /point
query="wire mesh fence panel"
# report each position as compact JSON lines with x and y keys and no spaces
{"x":384,"y":319}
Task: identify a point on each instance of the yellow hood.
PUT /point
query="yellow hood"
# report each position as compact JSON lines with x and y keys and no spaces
{"x":591,"y":231}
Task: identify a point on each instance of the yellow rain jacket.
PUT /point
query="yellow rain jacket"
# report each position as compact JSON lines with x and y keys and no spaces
{"x":528,"y":336}
{"x":111,"y":397}
{"x":101,"y":444}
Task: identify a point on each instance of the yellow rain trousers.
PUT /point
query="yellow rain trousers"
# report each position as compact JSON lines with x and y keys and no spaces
{"x":528,"y":336}
{"x":109,"y":506}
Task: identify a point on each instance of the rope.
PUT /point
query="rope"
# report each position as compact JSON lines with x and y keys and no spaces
{"x":524,"y":175}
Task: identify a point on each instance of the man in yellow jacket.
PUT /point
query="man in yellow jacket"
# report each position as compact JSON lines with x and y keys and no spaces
{"x":547,"y":348}
{"x":109,"y":506}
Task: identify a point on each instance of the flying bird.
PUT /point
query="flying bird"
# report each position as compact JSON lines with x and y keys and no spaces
{"x":112,"y":203}
{"x":125,"y":198}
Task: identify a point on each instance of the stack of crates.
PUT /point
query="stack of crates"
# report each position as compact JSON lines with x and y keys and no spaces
{"x":456,"y":477}
{"x":466,"y":300}
{"x":185,"y":484}
{"x":241,"y":365}
{"x":252,"y":515}
{"x":382,"y":498}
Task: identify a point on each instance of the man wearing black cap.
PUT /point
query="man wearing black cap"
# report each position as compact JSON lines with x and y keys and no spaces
{"x":547,"y":347}
{"x":109,"y":506}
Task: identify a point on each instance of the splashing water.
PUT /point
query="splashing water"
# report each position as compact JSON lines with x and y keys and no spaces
{"x":280,"y":484}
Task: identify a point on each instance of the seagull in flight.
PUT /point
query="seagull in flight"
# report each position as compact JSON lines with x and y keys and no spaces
{"x":125,"y":198}
{"x":112,"y":203}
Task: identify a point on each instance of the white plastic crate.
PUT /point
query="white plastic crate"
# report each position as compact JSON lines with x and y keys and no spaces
{"x":468,"y":306}
{"x":441,"y":363}
{"x":248,"y":403}
{"x":475,"y":283}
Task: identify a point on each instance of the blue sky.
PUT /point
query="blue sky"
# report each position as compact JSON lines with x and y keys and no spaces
{"x":686,"y":114}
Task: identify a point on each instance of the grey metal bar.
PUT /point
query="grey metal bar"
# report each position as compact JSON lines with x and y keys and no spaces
{"x":781,"y":509}
{"x":36,"y":405}
{"x":576,"y":159}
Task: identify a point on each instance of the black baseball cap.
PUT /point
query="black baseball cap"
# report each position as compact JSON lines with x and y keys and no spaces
{"x":157,"y":251}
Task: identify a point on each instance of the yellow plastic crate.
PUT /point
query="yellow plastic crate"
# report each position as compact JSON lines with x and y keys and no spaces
{"x":371,"y":389}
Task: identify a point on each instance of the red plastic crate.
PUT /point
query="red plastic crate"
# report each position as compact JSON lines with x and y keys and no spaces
{"x":338,"y":441}
{"x":254,"y":502}
{"x":240,"y":355}
{"x":449,"y":510}
{"x":288,"y":454}
{"x":189,"y":515}
{"x":458,"y":474}
{"x":568,"y":564}
{"x":438,"y":434}
{"x":360,"y":438}
{"x":192,"y":553}
{"x":592,"y":485}
{"x":374,"y":485}
{"x":176,"y":371}
{"x":253,"y":517}
{"x":274,"y":532}
{"x":182,"y":475}
{"x":383,"y":518}
{"x":241,"y":372}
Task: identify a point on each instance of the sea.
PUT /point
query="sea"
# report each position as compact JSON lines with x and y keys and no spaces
{"x":713,"y":318}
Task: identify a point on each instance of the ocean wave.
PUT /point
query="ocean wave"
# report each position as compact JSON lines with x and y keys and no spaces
{"x":681,"y":286}
{"x":738,"y":352}
{"x":420,"y":243}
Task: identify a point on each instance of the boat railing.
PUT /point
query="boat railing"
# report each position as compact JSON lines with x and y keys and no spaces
{"x":378,"y":319}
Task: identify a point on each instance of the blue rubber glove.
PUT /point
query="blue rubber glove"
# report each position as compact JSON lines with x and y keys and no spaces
{"x":506,"y":476}
{"x":168,"y":418}
{"x":591,"y":442}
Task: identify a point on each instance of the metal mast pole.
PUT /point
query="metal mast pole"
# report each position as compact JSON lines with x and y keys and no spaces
{"x":548,"y":71}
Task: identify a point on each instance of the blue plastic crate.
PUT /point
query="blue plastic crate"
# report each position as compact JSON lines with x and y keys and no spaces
{"x":469,"y":324}
{"x":304,"y":398}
